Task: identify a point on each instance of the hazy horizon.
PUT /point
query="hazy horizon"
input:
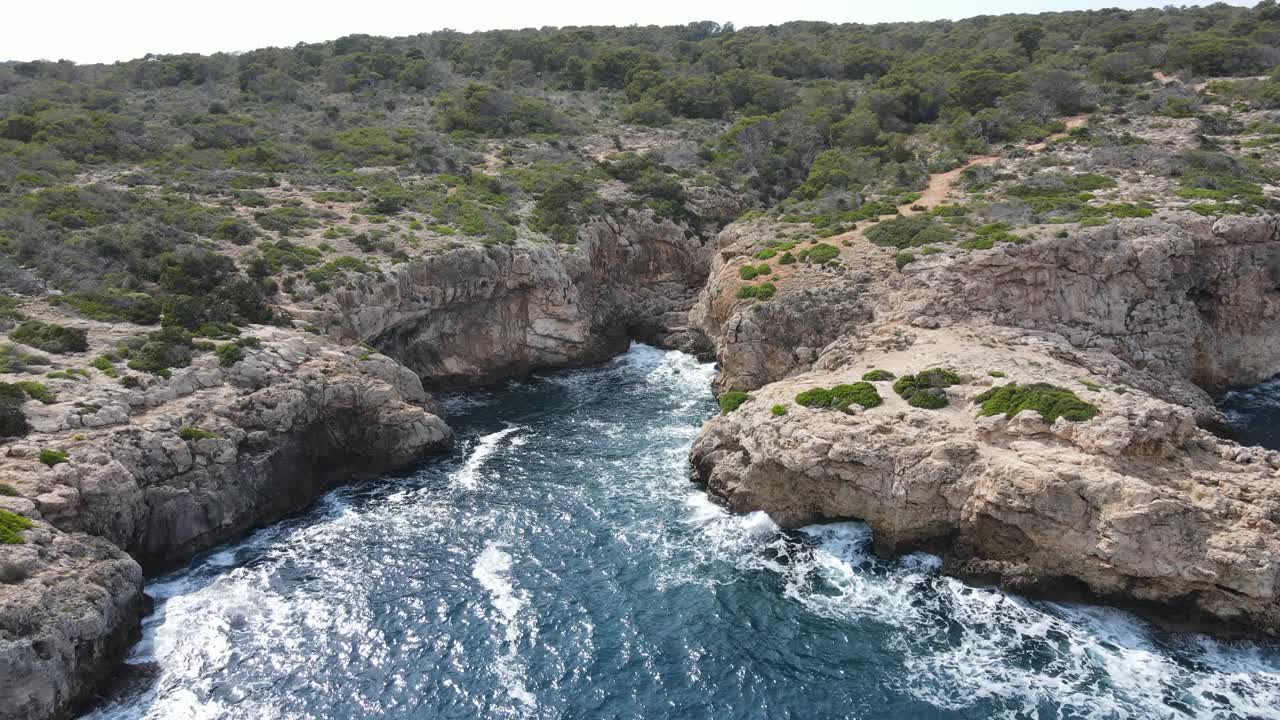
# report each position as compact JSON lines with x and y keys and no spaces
{"x":110,"y":32}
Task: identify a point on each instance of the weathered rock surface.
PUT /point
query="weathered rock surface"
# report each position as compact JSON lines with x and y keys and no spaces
{"x":70,"y":607}
{"x":293,"y":418}
{"x":757,"y":343}
{"x":1136,"y":504}
{"x":476,"y":315}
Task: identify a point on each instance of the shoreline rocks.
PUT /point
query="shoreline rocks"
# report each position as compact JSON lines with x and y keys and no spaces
{"x":190,"y":462}
{"x":1138,"y":504}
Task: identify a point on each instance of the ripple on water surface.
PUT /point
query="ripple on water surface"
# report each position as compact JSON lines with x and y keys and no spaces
{"x":559,"y":564}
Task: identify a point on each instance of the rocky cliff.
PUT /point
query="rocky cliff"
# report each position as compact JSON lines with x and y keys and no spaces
{"x":154,"y":474}
{"x":477,"y":314}
{"x":1135,"y":504}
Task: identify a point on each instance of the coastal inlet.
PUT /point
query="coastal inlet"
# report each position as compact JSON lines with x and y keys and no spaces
{"x":559,"y":564}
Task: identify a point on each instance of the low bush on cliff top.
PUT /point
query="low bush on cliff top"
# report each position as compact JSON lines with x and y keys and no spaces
{"x":11,"y":525}
{"x":763,"y":291}
{"x":819,"y":254}
{"x":158,"y":351}
{"x":52,"y":457}
{"x":13,"y":422}
{"x":38,"y":391}
{"x":1050,"y":401}
{"x":841,"y":397}
{"x":925,"y":389}
{"x":905,"y":232}
{"x":877,"y":375}
{"x":191,"y":434}
{"x":50,"y":337}
{"x":750,"y":272}
{"x":732,"y":400}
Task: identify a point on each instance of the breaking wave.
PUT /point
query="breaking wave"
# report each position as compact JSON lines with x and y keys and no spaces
{"x":559,"y":564}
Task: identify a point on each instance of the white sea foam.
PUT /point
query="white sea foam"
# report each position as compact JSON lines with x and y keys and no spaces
{"x":468,"y":476}
{"x":493,"y":570}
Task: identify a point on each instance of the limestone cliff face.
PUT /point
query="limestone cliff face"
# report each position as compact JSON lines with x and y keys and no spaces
{"x":275,"y":430}
{"x":1136,"y":504}
{"x":70,"y":606}
{"x":1182,"y":297}
{"x":475,"y":315}
{"x":760,"y":342}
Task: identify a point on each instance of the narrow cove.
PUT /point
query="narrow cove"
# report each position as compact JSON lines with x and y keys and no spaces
{"x":559,"y":563}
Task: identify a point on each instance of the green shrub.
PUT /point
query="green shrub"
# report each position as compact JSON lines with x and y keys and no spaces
{"x":861,"y":393}
{"x":235,"y":231}
{"x":1050,"y":401}
{"x":191,"y":434}
{"x":11,"y":525}
{"x":37,"y":391}
{"x":763,"y":291}
{"x":50,"y":337}
{"x":820,"y":254}
{"x":13,"y":422}
{"x":157,"y":352}
{"x":52,"y":457}
{"x":767,"y":254}
{"x":841,"y":397}
{"x":732,"y":400}
{"x":750,"y":272}
{"x":13,"y":359}
{"x":928,"y":399}
{"x":997,"y":373}
{"x":814,"y":397}
{"x":787,"y":258}
{"x":7,"y":490}
{"x":233,"y":352}
{"x":903,"y":259}
{"x":105,"y":366}
{"x":925,"y":388}
{"x":906,"y":232}
{"x":778,"y":410}
{"x":877,"y":375}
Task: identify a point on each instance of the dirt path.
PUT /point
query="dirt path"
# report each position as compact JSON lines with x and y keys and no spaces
{"x":941,"y":184}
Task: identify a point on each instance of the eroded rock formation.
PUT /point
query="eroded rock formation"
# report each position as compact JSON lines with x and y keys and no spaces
{"x":476,"y":314}
{"x":1135,"y":504}
{"x":173,"y":469}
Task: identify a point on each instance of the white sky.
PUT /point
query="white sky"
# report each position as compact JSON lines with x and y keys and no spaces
{"x":105,"y":31}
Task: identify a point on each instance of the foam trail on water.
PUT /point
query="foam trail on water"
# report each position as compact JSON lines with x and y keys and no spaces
{"x":468,"y":476}
{"x":493,"y":570}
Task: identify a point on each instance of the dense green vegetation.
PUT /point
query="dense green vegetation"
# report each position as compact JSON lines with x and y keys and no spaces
{"x":1050,"y":401}
{"x":189,"y":189}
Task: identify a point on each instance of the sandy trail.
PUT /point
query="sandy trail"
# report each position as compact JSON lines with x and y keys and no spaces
{"x":941,"y":184}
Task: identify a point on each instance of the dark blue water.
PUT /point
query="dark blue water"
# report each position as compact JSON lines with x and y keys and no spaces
{"x":1254,"y":414}
{"x":559,"y":564}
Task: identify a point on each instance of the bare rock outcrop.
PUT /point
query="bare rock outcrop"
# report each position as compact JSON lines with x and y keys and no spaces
{"x":155,"y":474}
{"x":476,"y":314}
{"x":1138,"y":504}
{"x":759,"y":342}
